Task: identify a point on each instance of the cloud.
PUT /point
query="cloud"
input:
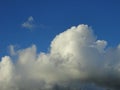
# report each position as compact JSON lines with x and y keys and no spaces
{"x":77,"y":59}
{"x":29,"y":24}
{"x":11,"y":50}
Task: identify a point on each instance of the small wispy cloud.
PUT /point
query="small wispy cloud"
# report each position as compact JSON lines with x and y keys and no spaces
{"x":29,"y":24}
{"x":12,"y":50}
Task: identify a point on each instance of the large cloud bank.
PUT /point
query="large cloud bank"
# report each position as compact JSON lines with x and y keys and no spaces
{"x":76,"y":60}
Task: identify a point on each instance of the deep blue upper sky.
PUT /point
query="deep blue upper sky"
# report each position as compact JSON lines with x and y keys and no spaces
{"x":56,"y":16}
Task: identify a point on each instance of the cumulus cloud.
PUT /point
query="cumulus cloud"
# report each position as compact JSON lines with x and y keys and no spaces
{"x":29,"y":24}
{"x":77,"y":59}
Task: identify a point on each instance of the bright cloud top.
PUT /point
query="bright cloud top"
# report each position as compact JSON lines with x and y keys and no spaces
{"x":76,"y":60}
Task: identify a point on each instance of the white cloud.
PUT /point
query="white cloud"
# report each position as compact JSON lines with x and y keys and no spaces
{"x":29,"y":24}
{"x":76,"y":60}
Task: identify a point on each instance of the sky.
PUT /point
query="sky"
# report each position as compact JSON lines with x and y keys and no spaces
{"x":53,"y":17}
{"x":33,"y":26}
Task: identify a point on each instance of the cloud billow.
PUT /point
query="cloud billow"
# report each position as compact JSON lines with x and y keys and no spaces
{"x":76,"y":60}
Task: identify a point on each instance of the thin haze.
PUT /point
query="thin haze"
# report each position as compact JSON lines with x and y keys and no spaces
{"x":77,"y":59}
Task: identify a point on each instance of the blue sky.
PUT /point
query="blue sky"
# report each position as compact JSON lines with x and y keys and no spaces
{"x":52,"y":17}
{"x":75,"y":56}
